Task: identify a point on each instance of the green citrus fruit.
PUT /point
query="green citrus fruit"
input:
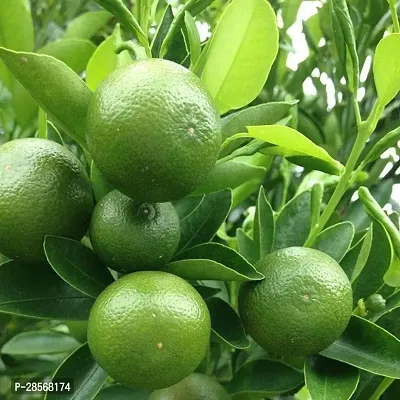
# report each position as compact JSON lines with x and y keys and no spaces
{"x":44,"y":191}
{"x":130,"y":236}
{"x":194,"y":387}
{"x":153,"y":130}
{"x":149,"y":329}
{"x":301,"y":307}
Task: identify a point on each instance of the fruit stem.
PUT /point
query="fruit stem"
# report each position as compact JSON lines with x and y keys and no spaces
{"x":365,"y":129}
{"x":139,"y":52}
{"x":381,"y":388}
{"x":173,"y":29}
{"x":395,"y":18}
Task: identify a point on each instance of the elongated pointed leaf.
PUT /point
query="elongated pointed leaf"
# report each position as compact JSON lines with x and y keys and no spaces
{"x":40,"y":342}
{"x":87,"y":24}
{"x":78,"y":265}
{"x":226,"y":324}
{"x":162,"y":31}
{"x":37,"y":291}
{"x":329,"y":379}
{"x":203,"y":223}
{"x":289,"y":143}
{"x":293,"y":223}
{"x":193,"y":38}
{"x":75,"y":53}
{"x":390,"y":321}
{"x":87,"y":375}
{"x":335,"y":240}
{"x":39,"y":72}
{"x":247,"y":247}
{"x":367,"y":346}
{"x":187,"y":205}
{"x":264,"y":226}
{"x":233,"y":72}
{"x":265,"y":378}
{"x":212,"y":261}
{"x":387,"y":67}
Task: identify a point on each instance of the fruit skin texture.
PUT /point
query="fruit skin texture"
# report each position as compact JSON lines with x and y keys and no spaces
{"x":44,"y":190}
{"x":301,"y":307}
{"x":194,"y":387}
{"x":129,"y":236}
{"x":153,"y":130}
{"x":149,"y":329}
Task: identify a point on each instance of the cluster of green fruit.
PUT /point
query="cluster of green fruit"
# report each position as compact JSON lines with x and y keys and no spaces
{"x":154,"y":133}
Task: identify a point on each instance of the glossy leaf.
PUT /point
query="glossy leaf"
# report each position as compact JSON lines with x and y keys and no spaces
{"x":206,"y":291}
{"x":212,"y":261}
{"x":293,"y":223}
{"x":386,"y":68}
{"x":38,"y":72}
{"x":78,"y":265}
{"x":187,"y":205}
{"x":329,"y":379}
{"x":247,"y":247}
{"x":37,"y":291}
{"x":73,"y":52}
{"x":87,"y":25}
{"x":203,"y":223}
{"x":122,"y":393}
{"x":162,"y":31}
{"x":28,"y":366}
{"x":367,"y":346}
{"x":39,"y":342}
{"x":100,"y":184}
{"x":380,"y":257}
{"x":289,"y":143}
{"x":317,"y":177}
{"x":233,"y":72}
{"x":335,"y":240}
{"x":264,"y":226}
{"x":229,"y":174}
{"x":226,"y":324}
{"x":16,"y":31}
{"x":87,"y":375}
{"x":264,"y":378}
{"x":290,"y":9}
{"x":390,"y":321}
{"x":193,"y":38}
{"x":105,"y":60}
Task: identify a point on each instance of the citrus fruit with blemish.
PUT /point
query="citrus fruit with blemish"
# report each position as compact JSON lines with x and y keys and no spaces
{"x":194,"y":387}
{"x":153,"y":130}
{"x":149,"y":329}
{"x":44,"y":190}
{"x":301,"y":307}
{"x":128,"y":235}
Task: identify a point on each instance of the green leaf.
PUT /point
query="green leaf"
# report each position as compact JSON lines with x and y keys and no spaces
{"x":38,"y":73}
{"x":293,"y":223}
{"x":345,"y":42}
{"x":87,"y":25}
{"x":39,"y":342}
{"x":330,"y":380}
{"x":264,"y":226}
{"x":367,"y":346}
{"x":317,"y":177}
{"x":29,"y":366}
{"x":16,"y":31}
{"x":203,"y":223}
{"x":246,"y":33}
{"x":105,"y":60}
{"x":264,"y":378}
{"x":212,"y":261}
{"x":290,"y":9}
{"x":187,"y":205}
{"x":87,"y":375}
{"x":37,"y":291}
{"x":100,"y":184}
{"x":247,"y":247}
{"x":390,"y":321}
{"x":78,"y":265}
{"x":226,"y":324}
{"x":162,"y":31}
{"x":193,"y":38}
{"x":367,"y":385}
{"x":206,"y":292}
{"x":356,"y":258}
{"x":387,"y":67}
{"x":389,"y":140}
{"x":380,"y":257}
{"x":335,"y":240}
{"x":230,"y":174}
{"x":289,"y":143}
{"x":122,"y":393}
{"x":75,"y":53}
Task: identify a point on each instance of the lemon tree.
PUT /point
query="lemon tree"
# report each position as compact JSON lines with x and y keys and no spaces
{"x":189,"y":210}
